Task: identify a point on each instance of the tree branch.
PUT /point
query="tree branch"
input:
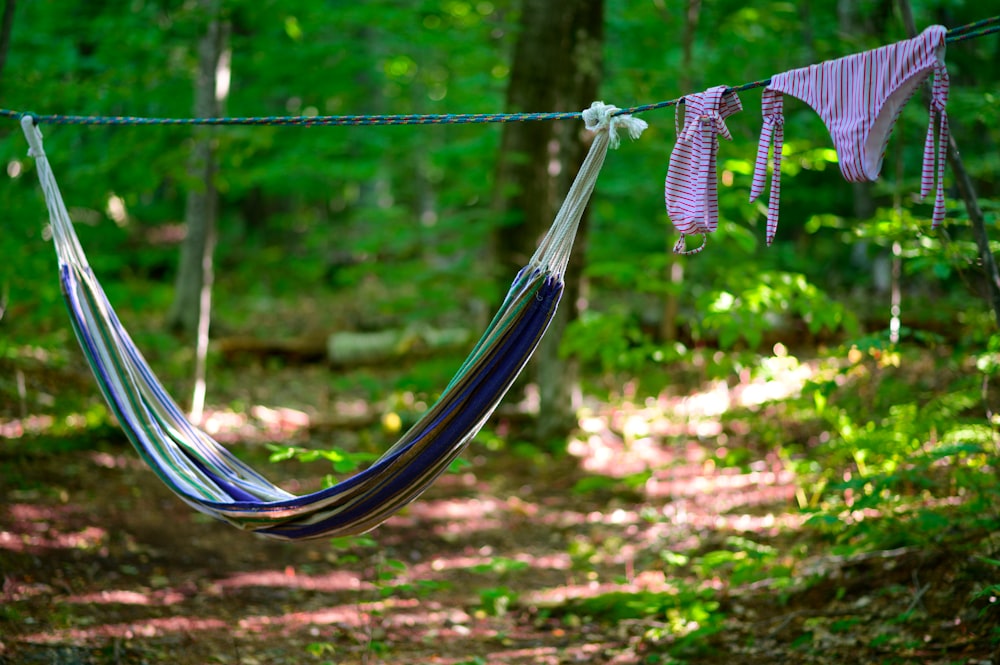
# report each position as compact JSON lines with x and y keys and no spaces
{"x":968,"y":194}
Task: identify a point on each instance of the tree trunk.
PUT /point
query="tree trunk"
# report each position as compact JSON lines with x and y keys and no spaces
{"x":192,"y":307}
{"x":6,"y":26}
{"x":674,"y":268}
{"x":556,"y":67}
{"x":200,"y":212}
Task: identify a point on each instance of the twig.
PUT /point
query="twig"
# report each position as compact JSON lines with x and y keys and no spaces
{"x":968,"y":194}
{"x":918,"y":596}
{"x":791,"y":616}
{"x":877,"y":554}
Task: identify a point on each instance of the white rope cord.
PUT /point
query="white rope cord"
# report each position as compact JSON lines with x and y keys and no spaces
{"x":554,"y":250}
{"x":67,"y":246}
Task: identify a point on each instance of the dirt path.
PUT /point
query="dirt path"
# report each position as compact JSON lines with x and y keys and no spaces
{"x":501,"y":563}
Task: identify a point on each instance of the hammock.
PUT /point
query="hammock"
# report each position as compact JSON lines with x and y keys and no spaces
{"x":209,"y":478}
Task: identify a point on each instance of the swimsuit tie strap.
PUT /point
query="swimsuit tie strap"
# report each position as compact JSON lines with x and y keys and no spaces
{"x":773,"y":130}
{"x":931,"y":176}
{"x":711,"y":124}
{"x":706,"y":144}
{"x":679,"y":245}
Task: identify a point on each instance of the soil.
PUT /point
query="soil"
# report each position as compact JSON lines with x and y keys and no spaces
{"x":505,"y":561}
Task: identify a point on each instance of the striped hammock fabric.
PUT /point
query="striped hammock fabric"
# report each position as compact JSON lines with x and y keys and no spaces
{"x":211,"y":479}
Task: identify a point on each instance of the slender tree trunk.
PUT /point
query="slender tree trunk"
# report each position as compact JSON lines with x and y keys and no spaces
{"x":6,"y":26}
{"x":200,"y":209}
{"x":556,"y":66}
{"x":191,"y":309}
{"x":674,"y":268}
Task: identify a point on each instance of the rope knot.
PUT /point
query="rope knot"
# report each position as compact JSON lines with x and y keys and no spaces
{"x":29,"y":123}
{"x":602,"y":116}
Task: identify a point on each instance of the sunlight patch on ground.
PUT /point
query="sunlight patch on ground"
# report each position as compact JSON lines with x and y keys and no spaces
{"x":450,"y":517}
{"x":18,"y":427}
{"x":770,"y":523}
{"x":33,"y":530}
{"x":536,"y":655}
{"x":14,"y":590}
{"x":86,"y":538}
{"x":290,"y":578}
{"x":555,"y":561}
{"x":457,"y":509}
{"x":695,"y":490}
{"x":280,"y":423}
{"x":539,"y":655}
{"x":109,"y":461}
{"x":637,"y":440}
{"x":127,"y":597}
{"x":554,"y":597}
{"x":778,"y":378}
{"x":127,"y":630}
{"x":390,"y":612}
{"x":698,"y":413}
{"x":276,"y":424}
{"x":348,"y":617}
{"x":729,"y":485}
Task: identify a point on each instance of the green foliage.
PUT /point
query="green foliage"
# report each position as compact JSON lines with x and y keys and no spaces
{"x":759,"y":303}
{"x":891,"y":446}
{"x":342,"y":461}
{"x":614,"y":342}
{"x":499,"y":566}
{"x":684,"y":620}
{"x":990,"y":592}
{"x":616,"y":486}
{"x":497,"y":601}
{"x":320,"y":649}
{"x":746,"y":561}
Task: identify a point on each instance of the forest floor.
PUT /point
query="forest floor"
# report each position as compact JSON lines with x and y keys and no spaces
{"x":515,"y":558}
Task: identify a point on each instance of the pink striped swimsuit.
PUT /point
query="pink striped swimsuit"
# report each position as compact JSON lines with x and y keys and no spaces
{"x":691,"y":188}
{"x":859,"y":97}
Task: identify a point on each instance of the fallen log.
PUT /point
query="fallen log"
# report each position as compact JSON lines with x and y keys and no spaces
{"x":376,"y":348}
{"x":347,"y":348}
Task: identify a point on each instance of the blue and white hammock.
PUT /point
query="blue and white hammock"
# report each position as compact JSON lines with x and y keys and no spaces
{"x":211,"y":479}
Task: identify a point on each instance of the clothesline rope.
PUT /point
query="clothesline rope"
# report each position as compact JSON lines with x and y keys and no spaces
{"x":972,"y":30}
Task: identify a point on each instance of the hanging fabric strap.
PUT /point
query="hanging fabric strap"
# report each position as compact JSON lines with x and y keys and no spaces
{"x":772,"y":131}
{"x":932,"y":173}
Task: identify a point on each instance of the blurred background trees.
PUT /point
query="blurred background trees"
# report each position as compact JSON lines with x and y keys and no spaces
{"x":423,"y":224}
